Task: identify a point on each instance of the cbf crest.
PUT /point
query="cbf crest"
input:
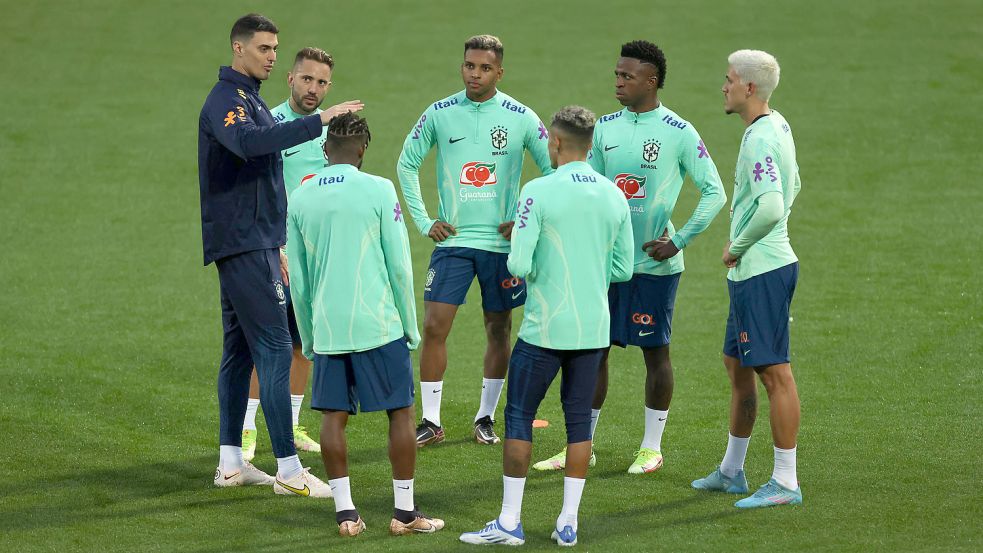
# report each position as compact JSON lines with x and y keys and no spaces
{"x":650,"y":151}
{"x":499,"y":137}
{"x":278,"y":288}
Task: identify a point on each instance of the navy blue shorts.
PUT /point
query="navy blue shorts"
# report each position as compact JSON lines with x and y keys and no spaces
{"x":641,"y":310}
{"x":757,"y":326}
{"x":531,"y":371}
{"x":452,"y":270}
{"x":379,"y":379}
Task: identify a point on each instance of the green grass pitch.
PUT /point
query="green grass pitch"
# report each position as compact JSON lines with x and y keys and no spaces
{"x":110,"y":332}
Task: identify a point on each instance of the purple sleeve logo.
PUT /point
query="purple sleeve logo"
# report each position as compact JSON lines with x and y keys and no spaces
{"x":703,"y":151}
{"x":398,"y":212}
{"x":419,"y":127}
{"x":523,"y":212}
{"x":542,"y":131}
{"x":769,"y":170}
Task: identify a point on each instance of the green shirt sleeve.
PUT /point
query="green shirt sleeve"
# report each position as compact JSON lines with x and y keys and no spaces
{"x":417,"y":145}
{"x":300,"y":285}
{"x":695,"y":160}
{"x":764,"y":171}
{"x":595,"y":157}
{"x":399,"y":263}
{"x":525,"y":234}
{"x":536,"y":143}
{"x":623,"y":260}
{"x":769,"y":209}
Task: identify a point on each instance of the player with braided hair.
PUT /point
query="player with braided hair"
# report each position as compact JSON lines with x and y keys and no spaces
{"x":647,"y":150}
{"x":358,"y":328}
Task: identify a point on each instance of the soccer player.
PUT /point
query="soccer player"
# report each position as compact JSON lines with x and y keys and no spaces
{"x":353,"y":294}
{"x":480,"y":134}
{"x":243,"y":225}
{"x":309,"y":81}
{"x":572,"y":238}
{"x":761,"y":279}
{"x":648,"y":150}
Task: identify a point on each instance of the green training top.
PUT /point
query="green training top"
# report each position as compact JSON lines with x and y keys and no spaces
{"x":572,"y":239}
{"x":766,"y":163}
{"x":648,"y":155}
{"x":351,"y":276}
{"x":479,"y":164}
{"x":304,"y":159}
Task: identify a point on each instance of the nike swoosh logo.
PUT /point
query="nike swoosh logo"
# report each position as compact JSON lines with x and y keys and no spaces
{"x":437,"y":391}
{"x":662,"y":419}
{"x":609,"y":148}
{"x":453,"y":140}
{"x":304,"y":492}
{"x":230,"y":477}
{"x":747,"y":352}
{"x":640,"y":333}
{"x":288,"y":154}
{"x":403,"y":487}
{"x":518,"y":294}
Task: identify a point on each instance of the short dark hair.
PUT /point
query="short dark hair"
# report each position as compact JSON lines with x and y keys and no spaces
{"x":314,"y":54}
{"x":575,"y":121}
{"x":347,"y":126}
{"x":486,"y":42}
{"x":248,"y":25}
{"x":646,"y":52}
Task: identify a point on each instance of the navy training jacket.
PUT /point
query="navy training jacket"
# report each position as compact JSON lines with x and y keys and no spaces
{"x":240,"y":172}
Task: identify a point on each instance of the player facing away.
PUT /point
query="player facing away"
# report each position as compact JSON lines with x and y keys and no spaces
{"x":309,"y":81}
{"x":349,"y":256}
{"x":572,"y":238}
{"x":647,"y":150}
{"x":761,"y":279}
{"x":243,"y":225}
{"x":480,"y":134}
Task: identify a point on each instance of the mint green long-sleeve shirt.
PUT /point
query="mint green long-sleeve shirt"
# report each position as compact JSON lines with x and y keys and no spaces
{"x":480,"y":150}
{"x":351,"y":276}
{"x":572,"y":238}
{"x":766,"y":163}
{"x":301,"y":160}
{"x":648,"y":155}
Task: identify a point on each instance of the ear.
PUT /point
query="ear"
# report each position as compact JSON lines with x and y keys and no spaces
{"x":237,"y":48}
{"x":752,"y":89}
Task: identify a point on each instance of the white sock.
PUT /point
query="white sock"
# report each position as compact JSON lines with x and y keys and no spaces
{"x":341,"y":490}
{"x":734,"y":456}
{"x":594,"y":415}
{"x":573,"y":489}
{"x":511,"y":502}
{"x":249,"y":423}
{"x":295,"y":403}
{"x":403,"y":494}
{"x":655,"y":423}
{"x":784,"y":472}
{"x":288,"y":467}
{"x":430,"y":393}
{"x":491,"y":391}
{"x":230,"y":457}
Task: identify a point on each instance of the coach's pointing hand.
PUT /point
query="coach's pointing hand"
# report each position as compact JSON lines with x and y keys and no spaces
{"x":441,"y":231}
{"x":336,"y":110}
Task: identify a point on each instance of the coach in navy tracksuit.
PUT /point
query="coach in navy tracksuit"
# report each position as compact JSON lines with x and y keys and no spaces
{"x":243,"y":225}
